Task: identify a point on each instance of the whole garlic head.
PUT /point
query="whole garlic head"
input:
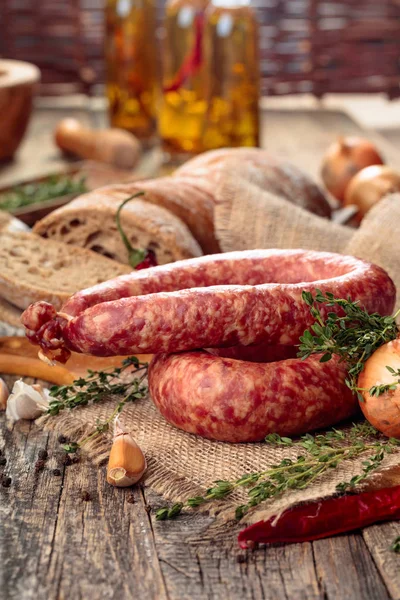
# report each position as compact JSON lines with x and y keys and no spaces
{"x":27,"y":401}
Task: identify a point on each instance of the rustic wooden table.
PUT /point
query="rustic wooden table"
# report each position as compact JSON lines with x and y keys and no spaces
{"x":56,"y":545}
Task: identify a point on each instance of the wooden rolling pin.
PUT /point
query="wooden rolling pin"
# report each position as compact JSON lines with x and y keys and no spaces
{"x":19,"y":357}
{"x":113,"y":146}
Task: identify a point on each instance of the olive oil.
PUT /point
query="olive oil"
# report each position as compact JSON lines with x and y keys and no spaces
{"x":232,"y":78}
{"x":131,"y":64}
{"x":183,"y":104}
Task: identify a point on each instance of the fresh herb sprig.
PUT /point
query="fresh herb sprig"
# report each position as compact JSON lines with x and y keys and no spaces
{"x":32,"y":193}
{"x":135,"y":255}
{"x":317,"y":455}
{"x":96,"y":387}
{"x":353,"y":336}
{"x":378,"y":390}
{"x":396,"y":545}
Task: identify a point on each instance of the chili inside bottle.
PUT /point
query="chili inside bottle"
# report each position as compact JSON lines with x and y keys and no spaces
{"x":131,"y":65}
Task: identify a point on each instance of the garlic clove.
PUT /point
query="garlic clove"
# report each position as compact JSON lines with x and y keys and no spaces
{"x":27,"y":401}
{"x":4,"y":393}
{"x":127,"y":463}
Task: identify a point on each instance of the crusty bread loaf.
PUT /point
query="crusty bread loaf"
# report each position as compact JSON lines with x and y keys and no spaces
{"x":269,"y":173}
{"x":89,"y":222}
{"x":32,"y":269}
{"x":190,"y":202}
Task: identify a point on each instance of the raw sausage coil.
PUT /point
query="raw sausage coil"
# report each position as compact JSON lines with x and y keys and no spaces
{"x":240,"y":401}
{"x":238,"y":298}
{"x":247,"y":302}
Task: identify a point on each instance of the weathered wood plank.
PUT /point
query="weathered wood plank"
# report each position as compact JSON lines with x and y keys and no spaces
{"x":346,"y":569}
{"x":378,"y":539}
{"x":29,"y":512}
{"x":209,"y":568}
{"x":103,"y":547}
{"x":54,"y":543}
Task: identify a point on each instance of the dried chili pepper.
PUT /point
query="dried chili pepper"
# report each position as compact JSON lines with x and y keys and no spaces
{"x":326,"y":518}
{"x":193,"y":61}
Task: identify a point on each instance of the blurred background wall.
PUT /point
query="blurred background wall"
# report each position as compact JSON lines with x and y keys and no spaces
{"x":307,"y":46}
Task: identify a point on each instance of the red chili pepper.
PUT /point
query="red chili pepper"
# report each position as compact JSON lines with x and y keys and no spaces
{"x":193,"y":60}
{"x":149,"y":260}
{"x":326,"y":518}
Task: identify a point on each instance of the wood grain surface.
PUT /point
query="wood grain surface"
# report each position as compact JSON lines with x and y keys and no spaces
{"x":56,"y":545}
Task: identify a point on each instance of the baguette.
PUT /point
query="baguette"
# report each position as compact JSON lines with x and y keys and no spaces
{"x":89,"y":222}
{"x":269,"y":173}
{"x":33,"y":269}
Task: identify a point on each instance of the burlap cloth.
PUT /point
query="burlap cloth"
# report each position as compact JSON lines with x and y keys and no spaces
{"x":182,"y":465}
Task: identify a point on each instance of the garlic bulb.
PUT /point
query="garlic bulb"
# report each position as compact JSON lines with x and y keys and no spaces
{"x":27,"y":401}
{"x":127,"y":462}
{"x":4,"y":393}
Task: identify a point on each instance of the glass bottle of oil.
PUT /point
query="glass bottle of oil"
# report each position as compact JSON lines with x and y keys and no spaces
{"x":131,"y":65}
{"x":231,"y":65}
{"x":183,"y":103}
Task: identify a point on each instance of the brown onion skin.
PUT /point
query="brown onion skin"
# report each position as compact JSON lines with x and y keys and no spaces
{"x":344,"y":159}
{"x":369,"y":186}
{"x":383,"y":412}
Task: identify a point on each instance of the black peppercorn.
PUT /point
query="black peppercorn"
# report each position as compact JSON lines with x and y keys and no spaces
{"x":6,"y":482}
{"x":43,"y":454}
{"x":56,"y":472}
{"x":62,"y":439}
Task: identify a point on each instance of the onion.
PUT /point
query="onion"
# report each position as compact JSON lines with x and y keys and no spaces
{"x":343,"y":160}
{"x":369,"y":186}
{"x":383,"y":412}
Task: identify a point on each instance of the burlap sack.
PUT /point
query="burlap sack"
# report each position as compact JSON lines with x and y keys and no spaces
{"x":181,"y":465}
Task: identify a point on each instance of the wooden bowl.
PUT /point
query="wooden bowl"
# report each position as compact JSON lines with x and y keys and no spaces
{"x":17,"y":82}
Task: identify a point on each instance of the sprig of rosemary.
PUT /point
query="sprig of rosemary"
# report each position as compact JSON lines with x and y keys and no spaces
{"x":317,"y":455}
{"x":98,"y":386}
{"x":135,"y":255}
{"x":353,"y":336}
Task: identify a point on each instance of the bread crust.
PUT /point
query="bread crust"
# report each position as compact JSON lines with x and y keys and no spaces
{"x":89,"y":222}
{"x":269,"y":173}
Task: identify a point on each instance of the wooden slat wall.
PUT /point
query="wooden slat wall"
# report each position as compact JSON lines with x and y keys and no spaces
{"x":315,"y":46}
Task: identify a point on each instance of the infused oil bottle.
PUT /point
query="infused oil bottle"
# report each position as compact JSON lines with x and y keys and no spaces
{"x":231,"y":75}
{"x":183,"y":103}
{"x":131,"y":65}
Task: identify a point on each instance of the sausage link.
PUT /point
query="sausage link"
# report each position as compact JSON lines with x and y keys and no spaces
{"x":117,"y":318}
{"x":239,"y":401}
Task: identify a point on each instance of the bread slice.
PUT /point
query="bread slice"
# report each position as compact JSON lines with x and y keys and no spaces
{"x":89,"y":222}
{"x":32,"y":269}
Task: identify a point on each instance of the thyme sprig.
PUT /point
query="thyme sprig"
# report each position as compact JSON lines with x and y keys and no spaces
{"x":396,"y":545}
{"x":96,"y":387}
{"x":378,"y":390}
{"x":317,"y":455}
{"x":353,"y":336}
